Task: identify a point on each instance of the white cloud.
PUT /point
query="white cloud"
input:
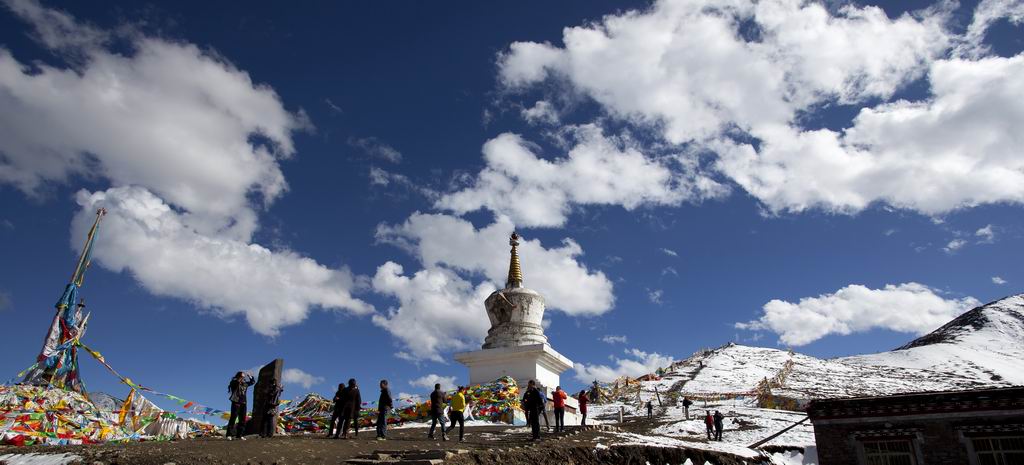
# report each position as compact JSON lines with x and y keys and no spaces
{"x":637,"y":364}
{"x":598,"y":170}
{"x":5,"y":300}
{"x":721,"y":73}
{"x":687,"y":67}
{"x":998,"y":280}
{"x":957,"y":149}
{"x":168,"y":256}
{"x":297,"y":376}
{"x":954,"y":245}
{"x":986,"y":235}
{"x":333,"y":107}
{"x":190,"y":146}
{"x":379,"y":177}
{"x":439,"y":240}
{"x":57,"y":29}
{"x":542,"y":112}
{"x":668,"y":270}
{"x":438,"y":311}
{"x":655,"y":296}
{"x":611,"y":339}
{"x":985,"y":14}
{"x":151,"y":118}
{"x":375,"y":148}
{"x":428,"y":382}
{"x":669,"y":252}
{"x":908,"y":307}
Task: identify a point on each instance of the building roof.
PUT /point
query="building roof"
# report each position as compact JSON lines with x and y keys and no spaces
{"x":919,"y":403}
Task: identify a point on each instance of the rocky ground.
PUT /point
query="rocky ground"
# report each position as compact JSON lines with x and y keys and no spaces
{"x":483,"y":445}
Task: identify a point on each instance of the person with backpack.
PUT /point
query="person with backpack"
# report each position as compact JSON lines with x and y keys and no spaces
{"x":352,"y":403}
{"x":238,"y":389}
{"x":334,"y":427}
{"x":437,"y":401}
{"x":686,"y":407}
{"x":384,"y":404}
{"x":583,"y":399}
{"x":544,"y":409}
{"x":533,"y":405}
{"x":458,"y":407}
{"x":558,"y":401}
{"x":269,"y":425}
{"x":718,"y":425}
{"x":709,"y":423}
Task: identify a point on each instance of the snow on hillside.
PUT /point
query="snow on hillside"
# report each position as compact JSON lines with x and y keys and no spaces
{"x":982,"y":348}
{"x":985,"y":344}
{"x":735,"y":369}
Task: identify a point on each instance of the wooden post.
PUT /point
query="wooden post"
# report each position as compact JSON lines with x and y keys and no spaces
{"x":659,"y":396}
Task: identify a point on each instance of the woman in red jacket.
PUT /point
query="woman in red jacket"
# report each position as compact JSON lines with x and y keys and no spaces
{"x":584,"y":400}
{"x":709,"y":422}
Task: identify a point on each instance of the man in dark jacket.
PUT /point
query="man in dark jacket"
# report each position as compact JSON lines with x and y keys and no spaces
{"x":352,"y":403}
{"x":686,"y":407}
{"x":718,"y":425}
{"x":270,"y":419}
{"x":238,"y":389}
{"x":334,"y":428}
{"x":533,"y":404}
{"x":437,"y":401}
{"x":384,"y":404}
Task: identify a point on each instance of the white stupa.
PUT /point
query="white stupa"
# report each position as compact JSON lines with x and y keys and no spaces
{"x":515,"y":345}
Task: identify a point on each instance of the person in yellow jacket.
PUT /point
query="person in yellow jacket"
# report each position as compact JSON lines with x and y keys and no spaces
{"x":456,"y":413}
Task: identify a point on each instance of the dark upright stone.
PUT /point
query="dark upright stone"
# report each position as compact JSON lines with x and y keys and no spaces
{"x":261,"y":393}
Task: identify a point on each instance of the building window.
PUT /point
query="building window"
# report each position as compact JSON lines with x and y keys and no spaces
{"x":999,"y":450}
{"x":889,"y":452}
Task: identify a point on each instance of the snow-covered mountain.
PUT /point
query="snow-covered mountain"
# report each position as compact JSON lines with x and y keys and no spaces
{"x":985,"y":344}
{"x":982,"y":348}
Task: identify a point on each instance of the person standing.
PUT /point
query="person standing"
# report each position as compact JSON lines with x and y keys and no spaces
{"x":558,"y":401}
{"x":384,"y":404}
{"x":352,"y":403}
{"x":650,"y":410}
{"x":334,"y":428}
{"x":533,"y":405}
{"x":709,"y":423}
{"x":270,"y":414}
{"x":718,"y":425}
{"x":686,"y":407}
{"x":238,"y":389}
{"x":544,"y":409}
{"x":584,"y":399}
{"x":457,"y":411}
{"x":437,"y":401}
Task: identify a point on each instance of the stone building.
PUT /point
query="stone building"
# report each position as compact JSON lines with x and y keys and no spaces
{"x":515,"y":345}
{"x":979,"y":427}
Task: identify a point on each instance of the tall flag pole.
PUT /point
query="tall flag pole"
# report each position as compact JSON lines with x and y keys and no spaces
{"x":57,"y":363}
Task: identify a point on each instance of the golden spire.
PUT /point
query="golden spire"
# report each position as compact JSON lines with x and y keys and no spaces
{"x":515,"y":273}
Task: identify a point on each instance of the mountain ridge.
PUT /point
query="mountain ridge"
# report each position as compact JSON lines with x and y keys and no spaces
{"x":982,"y":348}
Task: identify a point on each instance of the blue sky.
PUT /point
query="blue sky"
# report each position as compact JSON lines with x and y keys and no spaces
{"x":334,"y":184}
